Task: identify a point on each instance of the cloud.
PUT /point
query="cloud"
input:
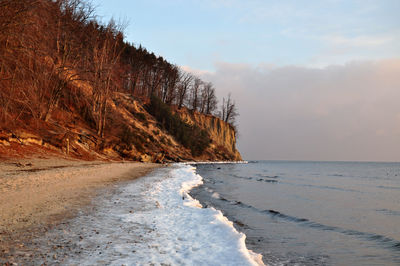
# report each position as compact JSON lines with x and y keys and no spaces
{"x":358,"y":41}
{"x":340,"y":48}
{"x":340,"y":112}
{"x":196,"y":72}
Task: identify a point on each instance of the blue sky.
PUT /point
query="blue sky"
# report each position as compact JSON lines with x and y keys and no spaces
{"x":312,"y":79}
{"x":200,"y":33}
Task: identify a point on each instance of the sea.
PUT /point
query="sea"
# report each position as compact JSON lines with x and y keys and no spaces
{"x":250,"y":213}
{"x":309,"y":213}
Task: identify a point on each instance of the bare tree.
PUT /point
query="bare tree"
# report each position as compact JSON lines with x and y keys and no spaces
{"x":15,"y":47}
{"x":194,"y":100}
{"x":154,"y":79}
{"x":135,"y":67}
{"x":203,"y":98}
{"x":229,"y":110}
{"x":68,"y":16}
{"x":186,"y":80}
{"x":210,"y":100}
{"x":105,"y":57}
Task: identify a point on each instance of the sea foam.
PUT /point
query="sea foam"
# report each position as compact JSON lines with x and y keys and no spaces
{"x":154,"y":221}
{"x":186,"y":233}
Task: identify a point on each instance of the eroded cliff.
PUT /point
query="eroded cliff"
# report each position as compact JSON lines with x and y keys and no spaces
{"x":223,"y":135}
{"x":132,"y":134}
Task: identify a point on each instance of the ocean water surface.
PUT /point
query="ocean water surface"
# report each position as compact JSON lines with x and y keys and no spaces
{"x":310,"y":213}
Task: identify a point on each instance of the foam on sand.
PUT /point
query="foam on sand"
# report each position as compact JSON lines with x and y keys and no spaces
{"x":187,"y":233}
{"x":154,"y":220}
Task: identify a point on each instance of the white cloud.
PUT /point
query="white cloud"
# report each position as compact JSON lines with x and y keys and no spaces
{"x":196,"y":72}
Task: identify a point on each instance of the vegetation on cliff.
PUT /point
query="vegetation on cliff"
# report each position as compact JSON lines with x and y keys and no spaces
{"x":68,"y":82}
{"x":190,"y":136}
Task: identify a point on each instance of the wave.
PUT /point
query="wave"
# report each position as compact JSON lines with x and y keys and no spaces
{"x":264,"y":178}
{"x":389,"y":212}
{"x":267,"y":176}
{"x":202,"y":235}
{"x":389,"y":187}
{"x":328,"y":187}
{"x":381,"y":240}
{"x":214,"y":222}
{"x":274,"y":179}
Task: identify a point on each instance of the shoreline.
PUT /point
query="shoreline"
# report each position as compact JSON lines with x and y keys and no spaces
{"x":149,"y":221}
{"x":37,"y":194}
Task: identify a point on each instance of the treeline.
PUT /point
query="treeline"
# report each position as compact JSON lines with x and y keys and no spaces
{"x":48,"y":46}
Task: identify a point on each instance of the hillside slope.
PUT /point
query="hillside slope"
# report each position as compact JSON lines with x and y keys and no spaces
{"x":133,"y":134}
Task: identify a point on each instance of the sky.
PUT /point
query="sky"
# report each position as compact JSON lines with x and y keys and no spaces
{"x":312,"y":79}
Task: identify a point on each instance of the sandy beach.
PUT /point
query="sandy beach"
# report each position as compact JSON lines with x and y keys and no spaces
{"x":36,"y":194}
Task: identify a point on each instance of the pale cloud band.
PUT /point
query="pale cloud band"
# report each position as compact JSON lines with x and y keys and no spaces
{"x":340,"y":112}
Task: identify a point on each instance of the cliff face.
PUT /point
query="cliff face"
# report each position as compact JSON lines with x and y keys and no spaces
{"x":132,"y":134}
{"x":223,"y":136}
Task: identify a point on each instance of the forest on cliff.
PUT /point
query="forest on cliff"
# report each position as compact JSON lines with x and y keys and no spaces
{"x":65,"y":77}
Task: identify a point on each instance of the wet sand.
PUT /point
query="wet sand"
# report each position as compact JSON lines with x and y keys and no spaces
{"x":36,"y":194}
